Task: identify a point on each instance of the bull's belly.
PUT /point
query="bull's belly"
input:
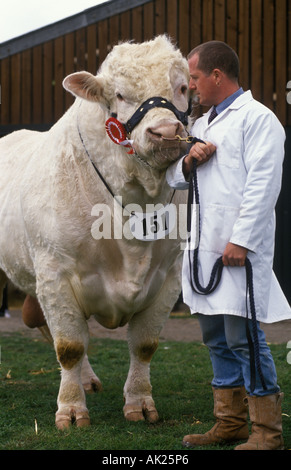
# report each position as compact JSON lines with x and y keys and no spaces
{"x":113,"y":318}
{"x":113,"y":302}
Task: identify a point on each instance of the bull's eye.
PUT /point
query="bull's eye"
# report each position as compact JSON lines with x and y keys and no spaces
{"x":119,"y":97}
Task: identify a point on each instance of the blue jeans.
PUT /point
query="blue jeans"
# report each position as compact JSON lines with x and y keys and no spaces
{"x":225,"y":336}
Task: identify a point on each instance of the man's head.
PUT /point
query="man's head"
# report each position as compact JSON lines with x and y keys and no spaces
{"x":214,"y":71}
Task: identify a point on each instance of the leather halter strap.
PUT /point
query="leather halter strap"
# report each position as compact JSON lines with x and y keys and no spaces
{"x":154,"y":102}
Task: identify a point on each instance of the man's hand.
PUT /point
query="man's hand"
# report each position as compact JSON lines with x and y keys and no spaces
{"x":201,"y":152}
{"x":234,"y":255}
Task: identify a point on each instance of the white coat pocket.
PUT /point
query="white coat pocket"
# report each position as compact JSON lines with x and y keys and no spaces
{"x":228,"y":144}
{"x":216,"y":227}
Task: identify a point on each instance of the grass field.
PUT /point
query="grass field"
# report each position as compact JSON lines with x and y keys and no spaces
{"x":180,"y":374}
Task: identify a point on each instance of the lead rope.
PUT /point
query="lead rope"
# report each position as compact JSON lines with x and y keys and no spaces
{"x":215,"y":277}
{"x":253,"y":344}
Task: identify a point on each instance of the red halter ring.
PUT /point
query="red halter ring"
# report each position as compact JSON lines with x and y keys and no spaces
{"x":117,"y":133}
{"x":115,"y":130}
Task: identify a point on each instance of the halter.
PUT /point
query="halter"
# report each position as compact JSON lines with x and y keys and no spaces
{"x":119,"y":132}
{"x":155,"y":102}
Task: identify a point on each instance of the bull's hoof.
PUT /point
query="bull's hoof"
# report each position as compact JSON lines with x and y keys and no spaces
{"x":151,"y":416}
{"x":138,"y":413}
{"x":65,"y":419}
{"x":93,"y":386}
{"x":82,"y":421}
{"x":133,"y":414}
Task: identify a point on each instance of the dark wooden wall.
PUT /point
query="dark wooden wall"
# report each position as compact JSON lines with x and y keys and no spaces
{"x":259,"y":30}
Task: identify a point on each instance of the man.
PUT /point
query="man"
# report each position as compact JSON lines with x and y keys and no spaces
{"x":239,"y":183}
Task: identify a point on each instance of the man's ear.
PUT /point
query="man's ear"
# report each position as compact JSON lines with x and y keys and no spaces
{"x":84,"y":85}
{"x":217,"y":74}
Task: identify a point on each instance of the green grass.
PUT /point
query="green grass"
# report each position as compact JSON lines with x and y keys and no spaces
{"x":180,"y":374}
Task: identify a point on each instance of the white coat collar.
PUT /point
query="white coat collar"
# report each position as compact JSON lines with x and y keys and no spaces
{"x":243,"y":99}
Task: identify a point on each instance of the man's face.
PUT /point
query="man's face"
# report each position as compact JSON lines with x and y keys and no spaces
{"x":204,"y":86}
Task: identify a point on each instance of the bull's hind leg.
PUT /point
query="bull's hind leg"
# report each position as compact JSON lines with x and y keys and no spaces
{"x":143,"y":337}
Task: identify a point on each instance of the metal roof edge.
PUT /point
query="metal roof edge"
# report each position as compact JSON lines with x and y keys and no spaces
{"x":67,"y":25}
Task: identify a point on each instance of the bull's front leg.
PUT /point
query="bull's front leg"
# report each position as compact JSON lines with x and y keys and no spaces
{"x":69,"y":331}
{"x":71,"y":399}
{"x":143,"y":338}
{"x":33,"y":317}
{"x":139,"y":404}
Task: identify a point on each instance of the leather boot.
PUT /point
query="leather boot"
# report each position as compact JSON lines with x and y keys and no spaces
{"x":231,"y":419}
{"x":266,"y":418}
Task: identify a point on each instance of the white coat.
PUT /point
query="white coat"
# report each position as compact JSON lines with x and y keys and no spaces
{"x":238,"y":187}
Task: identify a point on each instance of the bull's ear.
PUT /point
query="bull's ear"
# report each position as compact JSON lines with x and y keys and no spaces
{"x":85,"y":85}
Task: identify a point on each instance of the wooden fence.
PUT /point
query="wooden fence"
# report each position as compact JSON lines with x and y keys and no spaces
{"x":33,"y":66}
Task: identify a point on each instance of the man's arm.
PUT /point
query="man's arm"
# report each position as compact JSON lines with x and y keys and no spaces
{"x":234,"y":255}
{"x":201,"y":152}
{"x":263,"y":157}
{"x":178,"y":173}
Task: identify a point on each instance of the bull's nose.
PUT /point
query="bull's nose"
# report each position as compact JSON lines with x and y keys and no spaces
{"x":165,"y":129}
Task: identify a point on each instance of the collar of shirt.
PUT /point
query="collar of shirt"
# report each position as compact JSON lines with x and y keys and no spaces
{"x":227,"y":102}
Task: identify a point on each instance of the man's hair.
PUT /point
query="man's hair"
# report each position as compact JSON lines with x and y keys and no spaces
{"x":217,"y":55}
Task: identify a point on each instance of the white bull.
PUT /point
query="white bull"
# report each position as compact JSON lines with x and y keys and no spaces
{"x":49,"y":196}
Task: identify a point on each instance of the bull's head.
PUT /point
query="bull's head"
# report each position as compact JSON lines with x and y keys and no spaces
{"x":143,"y":89}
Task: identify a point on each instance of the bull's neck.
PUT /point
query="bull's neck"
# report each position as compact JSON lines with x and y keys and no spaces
{"x":145,"y":189}
{"x":119,"y":173}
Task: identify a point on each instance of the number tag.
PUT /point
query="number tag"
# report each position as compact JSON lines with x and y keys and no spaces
{"x":150,"y":226}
